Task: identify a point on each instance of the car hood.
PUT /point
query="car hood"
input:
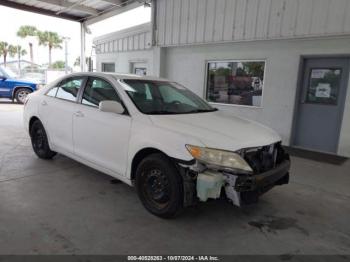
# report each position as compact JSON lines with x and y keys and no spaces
{"x":218,"y":130}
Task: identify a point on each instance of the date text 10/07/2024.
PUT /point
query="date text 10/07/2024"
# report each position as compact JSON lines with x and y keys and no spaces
{"x":173,"y":258}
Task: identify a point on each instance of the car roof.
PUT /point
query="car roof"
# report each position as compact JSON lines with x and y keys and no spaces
{"x":119,"y":76}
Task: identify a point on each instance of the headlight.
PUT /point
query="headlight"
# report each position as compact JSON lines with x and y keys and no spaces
{"x":219,"y":158}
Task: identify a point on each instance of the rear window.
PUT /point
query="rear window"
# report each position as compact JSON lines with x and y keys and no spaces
{"x":68,"y":88}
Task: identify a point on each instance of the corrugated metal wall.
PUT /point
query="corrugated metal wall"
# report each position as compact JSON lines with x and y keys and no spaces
{"x":139,"y":39}
{"x":181,"y":22}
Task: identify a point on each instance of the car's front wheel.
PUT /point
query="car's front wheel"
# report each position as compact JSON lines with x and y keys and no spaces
{"x":159,"y":186}
{"x":21,"y":94}
{"x":39,"y":140}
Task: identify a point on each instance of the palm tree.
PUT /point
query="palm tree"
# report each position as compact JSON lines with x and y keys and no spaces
{"x":4,"y":50}
{"x":50,"y":39}
{"x":27,"y":31}
{"x":20,"y":52}
{"x":12,"y":50}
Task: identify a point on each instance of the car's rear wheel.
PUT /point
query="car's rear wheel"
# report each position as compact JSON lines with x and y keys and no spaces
{"x":159,"y":186}
{"x":21,"y":94}
{"x":39,"y":140}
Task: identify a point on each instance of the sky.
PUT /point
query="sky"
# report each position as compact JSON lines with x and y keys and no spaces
{"x":64,"y":28}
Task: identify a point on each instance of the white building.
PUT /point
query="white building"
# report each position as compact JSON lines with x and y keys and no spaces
{"x":284,"y":63}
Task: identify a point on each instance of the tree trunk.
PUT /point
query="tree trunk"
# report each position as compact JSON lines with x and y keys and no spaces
{"x":50,"y":56}
{"x":5,"y":55}
{"x":19,"y":62}
{"x":31,"y":56}
{"x":31,"y":52}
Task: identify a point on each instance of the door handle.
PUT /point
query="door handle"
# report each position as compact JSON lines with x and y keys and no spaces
{"x":44,"y":103}
{"x":79,"y":114}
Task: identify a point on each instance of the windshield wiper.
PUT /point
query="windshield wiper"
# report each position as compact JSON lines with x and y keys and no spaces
{"x":202,"y":110}
{"x":161,"y":112}
{"x":165,"y":112}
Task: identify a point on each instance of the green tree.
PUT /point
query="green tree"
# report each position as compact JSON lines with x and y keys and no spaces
{"x":12,"y":50}
{"x":28,"y":31}
{"x":254,"y":69}
{"x":4,"y":51}
{"x":50,"y":39}
{"x":20,"y":52}
{"x":58,"y":65}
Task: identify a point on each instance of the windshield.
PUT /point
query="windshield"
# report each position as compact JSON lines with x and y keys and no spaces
{"x":161,"y":98}
{"x":8,"y":72}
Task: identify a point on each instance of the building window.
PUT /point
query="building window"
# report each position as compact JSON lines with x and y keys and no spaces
{"x":110,"y":49}
{"x":108,"y":67}
{"x":324,"y":85}
{"x":235,"y":82}
{"x":141,"y":71}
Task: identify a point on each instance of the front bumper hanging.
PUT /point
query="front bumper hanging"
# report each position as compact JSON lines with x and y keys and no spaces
{"x":271,"y":168}
{"x":242,"y":190}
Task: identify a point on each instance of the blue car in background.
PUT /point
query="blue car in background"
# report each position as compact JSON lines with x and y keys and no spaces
{"x":13,"y":88}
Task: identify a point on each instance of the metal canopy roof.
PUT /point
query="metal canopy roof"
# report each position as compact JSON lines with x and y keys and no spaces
{"x":76,"y":10}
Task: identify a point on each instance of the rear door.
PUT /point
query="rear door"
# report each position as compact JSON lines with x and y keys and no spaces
{"x":101,"y":137}
{"x":56,"y":111}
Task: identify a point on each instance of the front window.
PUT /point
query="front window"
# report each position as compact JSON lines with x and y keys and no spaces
{"x":98,"y":90}
{"x":236,"y":82}
{"x":161,"y":97}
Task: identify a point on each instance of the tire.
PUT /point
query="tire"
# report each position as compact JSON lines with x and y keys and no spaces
{"x":39,"y":140}
{"x":21,"y":94}
{"x":159,"y":186}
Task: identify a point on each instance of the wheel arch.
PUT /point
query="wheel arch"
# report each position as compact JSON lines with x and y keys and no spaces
{"x":144,"y":152}
{"x":139,"y":156}
{"x":31,"y":121}
{"x":18,"y":87}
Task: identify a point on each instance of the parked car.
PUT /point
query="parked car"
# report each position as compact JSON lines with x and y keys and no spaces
{"x":158,"y":136}
{"x":14,"y":88}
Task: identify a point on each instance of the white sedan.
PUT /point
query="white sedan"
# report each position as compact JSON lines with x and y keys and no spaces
{"x":158,"y":136}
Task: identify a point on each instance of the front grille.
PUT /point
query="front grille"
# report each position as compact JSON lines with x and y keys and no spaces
{"x":264,"y":158}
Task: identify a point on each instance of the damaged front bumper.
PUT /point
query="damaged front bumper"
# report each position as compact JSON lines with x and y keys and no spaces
{"x":243,"y":189}
{"x":202,"y":182}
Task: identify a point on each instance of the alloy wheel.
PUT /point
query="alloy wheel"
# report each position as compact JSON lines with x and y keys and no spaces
{"x":22,"y":95}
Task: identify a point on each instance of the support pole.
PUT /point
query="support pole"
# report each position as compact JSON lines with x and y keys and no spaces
{"x":82,"y":47}
{"x":66,"y":39}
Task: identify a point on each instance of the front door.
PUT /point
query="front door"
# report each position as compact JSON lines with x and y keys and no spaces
{"x":321,"y":104}
{"x":101,"y":137}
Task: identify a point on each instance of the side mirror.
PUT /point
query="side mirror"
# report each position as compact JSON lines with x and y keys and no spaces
{"x":111,"y":106}
{"x":2,"y":78}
